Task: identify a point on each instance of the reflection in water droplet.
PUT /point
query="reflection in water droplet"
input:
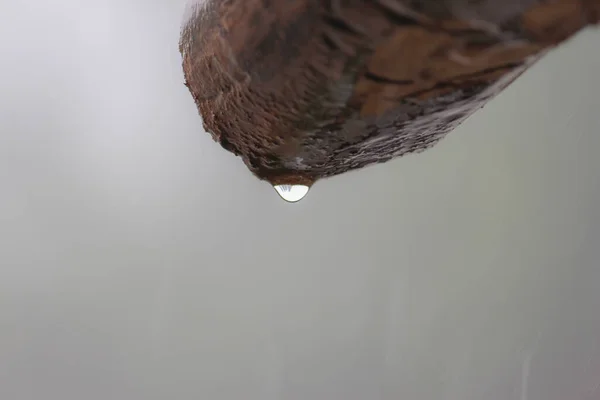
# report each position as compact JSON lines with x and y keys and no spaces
{"x":291,"y":193}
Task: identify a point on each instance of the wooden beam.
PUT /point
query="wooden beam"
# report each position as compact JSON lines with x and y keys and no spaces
{"x":307,"y":89}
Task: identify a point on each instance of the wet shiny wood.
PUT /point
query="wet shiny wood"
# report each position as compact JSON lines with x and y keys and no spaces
{"x":307,"y":89}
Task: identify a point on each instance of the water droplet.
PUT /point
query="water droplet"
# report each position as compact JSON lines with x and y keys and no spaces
{"x":292,"y":193}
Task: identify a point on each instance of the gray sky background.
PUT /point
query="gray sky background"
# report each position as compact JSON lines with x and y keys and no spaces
{"x":138,"y":260}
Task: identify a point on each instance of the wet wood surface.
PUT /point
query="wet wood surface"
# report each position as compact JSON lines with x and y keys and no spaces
{"x":307,"y":89}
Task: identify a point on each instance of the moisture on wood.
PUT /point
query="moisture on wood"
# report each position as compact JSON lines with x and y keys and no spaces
{"x":307,"y":89}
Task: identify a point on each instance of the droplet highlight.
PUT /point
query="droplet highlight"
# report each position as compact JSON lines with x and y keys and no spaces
{"x":291,"y":193}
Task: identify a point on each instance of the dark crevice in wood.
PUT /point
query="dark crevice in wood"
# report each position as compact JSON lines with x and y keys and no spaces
{"x":451,"y":83}
{"x":341,"y":25}
{"x":394,"y":17}
{"x":331,"y":45}
{"x":382,"y":79}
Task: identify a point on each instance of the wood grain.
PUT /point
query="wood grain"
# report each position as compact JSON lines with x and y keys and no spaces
{"x":307,"y":89}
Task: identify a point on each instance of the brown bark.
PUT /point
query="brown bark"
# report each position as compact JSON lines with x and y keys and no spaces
{"x":306,"y":89}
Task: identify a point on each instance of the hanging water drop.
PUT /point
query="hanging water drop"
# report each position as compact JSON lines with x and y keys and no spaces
{"x":292,"y":193}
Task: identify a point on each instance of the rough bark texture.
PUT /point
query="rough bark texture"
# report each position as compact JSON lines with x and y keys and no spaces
{"x":306,"y":89}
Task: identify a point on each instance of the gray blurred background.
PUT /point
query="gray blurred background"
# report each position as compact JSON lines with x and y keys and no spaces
{"x":139,"y":260}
